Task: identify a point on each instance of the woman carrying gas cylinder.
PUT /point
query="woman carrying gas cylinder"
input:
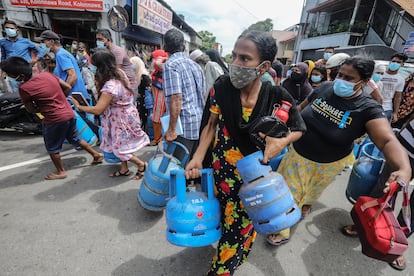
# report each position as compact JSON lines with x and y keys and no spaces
{"x":239,"y":99}
{"x":337,"y":113}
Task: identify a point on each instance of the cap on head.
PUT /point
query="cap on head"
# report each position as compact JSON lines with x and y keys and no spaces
{"x":48,"y":34}
{"x":336,"y":60}
{"x":196,"y":54}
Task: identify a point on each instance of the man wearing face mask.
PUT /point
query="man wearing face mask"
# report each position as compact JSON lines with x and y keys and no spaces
{"x":329,"y":51}
{"x":15,"y":45}
{"x":393,"y":85}
{"x":66,"y":68}
{"x":104,"y":40}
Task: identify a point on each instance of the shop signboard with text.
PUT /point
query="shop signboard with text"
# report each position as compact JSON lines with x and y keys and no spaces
{"x":152,"y":15}
{"x":89,"y":5}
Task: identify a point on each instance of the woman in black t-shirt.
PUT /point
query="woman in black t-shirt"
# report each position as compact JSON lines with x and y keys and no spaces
{"x":337,"y":113}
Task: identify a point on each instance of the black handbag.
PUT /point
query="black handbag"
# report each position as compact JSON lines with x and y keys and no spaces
{"x":270,"y":126}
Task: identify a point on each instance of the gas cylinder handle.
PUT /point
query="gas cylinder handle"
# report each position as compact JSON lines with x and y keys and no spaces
{"x":207,"y":182}
{"x":178,"y":185}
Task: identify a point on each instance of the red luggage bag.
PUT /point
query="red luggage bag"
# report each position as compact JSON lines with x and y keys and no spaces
{"x":381,"y":235}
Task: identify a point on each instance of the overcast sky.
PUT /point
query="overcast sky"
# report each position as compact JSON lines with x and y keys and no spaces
{"x":227,"y":19}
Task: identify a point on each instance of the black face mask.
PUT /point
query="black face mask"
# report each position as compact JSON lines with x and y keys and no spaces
{"x":296,"y":77}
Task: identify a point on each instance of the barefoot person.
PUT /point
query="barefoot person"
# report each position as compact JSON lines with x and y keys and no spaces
{"x":46,"y":94}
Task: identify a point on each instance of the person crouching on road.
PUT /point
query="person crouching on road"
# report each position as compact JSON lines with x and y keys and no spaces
{"x":45,"y":93}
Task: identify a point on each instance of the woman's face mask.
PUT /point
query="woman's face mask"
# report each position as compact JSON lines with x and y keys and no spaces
{"x":343,"y":88}
{"x":241,"y":76}
{"x":316,"y":78}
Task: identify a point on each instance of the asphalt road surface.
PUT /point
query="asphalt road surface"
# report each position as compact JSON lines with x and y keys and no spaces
{"x":91,"y":224}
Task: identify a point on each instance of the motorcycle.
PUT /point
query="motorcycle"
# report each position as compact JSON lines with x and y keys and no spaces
{"x":14,"y":115}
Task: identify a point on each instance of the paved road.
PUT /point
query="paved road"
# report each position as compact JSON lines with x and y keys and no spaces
{"x":90,"y":224}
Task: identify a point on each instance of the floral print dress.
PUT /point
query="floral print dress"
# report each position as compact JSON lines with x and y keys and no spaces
{"x":121,"y":125}
{"x":237,"y":228}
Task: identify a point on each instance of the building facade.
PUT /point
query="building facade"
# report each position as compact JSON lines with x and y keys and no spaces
{"x":354,"y":23}
{"x":78,"y":20}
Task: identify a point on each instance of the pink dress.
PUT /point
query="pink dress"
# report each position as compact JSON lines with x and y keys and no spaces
{"x":121,"y":125}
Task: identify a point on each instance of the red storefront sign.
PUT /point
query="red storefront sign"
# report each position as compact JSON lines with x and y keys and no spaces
{"x":90,"y":5}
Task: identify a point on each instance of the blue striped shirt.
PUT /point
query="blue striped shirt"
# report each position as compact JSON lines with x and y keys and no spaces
{"x":183,"y":76}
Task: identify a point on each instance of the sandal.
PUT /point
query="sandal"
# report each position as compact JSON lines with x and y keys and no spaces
{"x":140,"y":173}
{"x":275,"y":243}
{"x":350,"y":231}
{"x":119,"y":173}
{"x":399,"y":263}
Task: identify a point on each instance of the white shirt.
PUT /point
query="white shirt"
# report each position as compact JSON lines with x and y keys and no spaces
{"x":391,"y":84}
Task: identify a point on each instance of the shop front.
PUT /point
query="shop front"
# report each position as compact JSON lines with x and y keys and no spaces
{"x":74,"y":20}
{"x":149,"y":21}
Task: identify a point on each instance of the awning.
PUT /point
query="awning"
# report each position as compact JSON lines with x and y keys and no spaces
{"x":74,"y":16}
{"x":142,"y":35}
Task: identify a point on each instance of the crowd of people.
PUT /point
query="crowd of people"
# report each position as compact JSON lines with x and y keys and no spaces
{"x":335,"y":101}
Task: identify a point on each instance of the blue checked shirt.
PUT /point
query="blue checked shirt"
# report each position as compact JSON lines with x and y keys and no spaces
{"x":183,"y":76}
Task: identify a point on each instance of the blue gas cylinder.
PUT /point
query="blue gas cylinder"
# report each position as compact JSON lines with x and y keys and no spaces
{"x":266,"y":196}
{"x":275,"y":161}
{"x":193,"y":218}
{"x":154,"y":190}
{"x":365,"y":172}
{"x":85,"y":132}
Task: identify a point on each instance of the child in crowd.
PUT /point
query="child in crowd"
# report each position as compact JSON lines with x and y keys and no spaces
{"x":46,"y":94}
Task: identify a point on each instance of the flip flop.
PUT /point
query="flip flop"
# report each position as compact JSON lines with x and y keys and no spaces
{"x":399,"y":263}
{"x":283,"y":241}
{"x":97,"y":161}
{"x":350,"y":231}
{"x":119,"y":173}
{"x":54,"y":176}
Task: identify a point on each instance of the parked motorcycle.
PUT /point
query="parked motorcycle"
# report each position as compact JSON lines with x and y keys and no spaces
{"x":14,"y":115}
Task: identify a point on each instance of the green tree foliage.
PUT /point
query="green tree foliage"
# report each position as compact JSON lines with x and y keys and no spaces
{"x":266,"y":25}
{"x":207,"y":40}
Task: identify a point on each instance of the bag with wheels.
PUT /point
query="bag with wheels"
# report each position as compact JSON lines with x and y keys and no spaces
{"x":381,"y":235}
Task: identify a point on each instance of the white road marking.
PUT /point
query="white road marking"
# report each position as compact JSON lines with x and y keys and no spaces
{"x":36,"y":160}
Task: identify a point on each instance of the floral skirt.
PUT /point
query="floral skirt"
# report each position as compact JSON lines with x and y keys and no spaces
{"x":308,"y":179}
